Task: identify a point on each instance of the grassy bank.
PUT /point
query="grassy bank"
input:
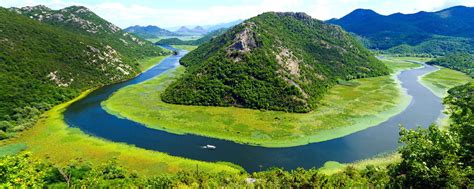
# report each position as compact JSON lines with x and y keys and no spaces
{"x":185,"y":47}
{"x":344,"y":110}
{"x":51,"y":138}
{"x":150,"y":62}
{"x":439,"y":82}
{"x":384,"y":160}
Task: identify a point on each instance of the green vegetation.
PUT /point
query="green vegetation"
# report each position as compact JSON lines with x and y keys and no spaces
{"x":399,"y":63}
{"x":430,"y":158}
{"x":80,"y":20}
{"x":426,"y":33}
{"x":53,"y":139}
{"x":11,"y":149}
{"x":275,"y":61}
{"x":185,"y":47}
{"x":150,"y":62}
{"x":383,"y":160}
{"x":44,"y":64}
{"x":347,"y":108}
{"x":463,"y":62}
{"x":437,"y":46}
{"x":440,"y":81}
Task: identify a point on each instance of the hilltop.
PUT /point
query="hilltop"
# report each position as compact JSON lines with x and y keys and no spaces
{"x":275,"y":61}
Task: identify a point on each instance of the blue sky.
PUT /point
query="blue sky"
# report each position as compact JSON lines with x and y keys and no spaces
{"x":171,"y":13}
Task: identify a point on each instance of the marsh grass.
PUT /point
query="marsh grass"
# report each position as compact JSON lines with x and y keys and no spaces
{"x":382,"y":160}
{"x":150,"y":62}
{"x":185,"y":47}
{"x":440,"y":81}
{"x":12,"y":149}
{"x":51,"y":138}
{"x":344,"y":110}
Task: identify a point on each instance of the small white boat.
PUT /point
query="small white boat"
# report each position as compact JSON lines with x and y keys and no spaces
{"x":210,"y":147}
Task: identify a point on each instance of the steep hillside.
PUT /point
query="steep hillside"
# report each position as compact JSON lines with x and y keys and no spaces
{"x":149,"y":32}
{"x":275,"y":61}
{"x":44,"y":64}
{"x":81,"y":20}
{"x":411,"y":29}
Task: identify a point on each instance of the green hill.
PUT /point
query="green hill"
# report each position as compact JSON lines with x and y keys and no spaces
{"x":275,"y":61}
{"x":43,"y":64}
{"x":445,"y":31}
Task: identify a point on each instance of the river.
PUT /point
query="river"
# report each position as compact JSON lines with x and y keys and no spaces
{"x":88,"y":115}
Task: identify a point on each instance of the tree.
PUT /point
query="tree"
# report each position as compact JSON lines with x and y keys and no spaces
{"x":429,"y":159}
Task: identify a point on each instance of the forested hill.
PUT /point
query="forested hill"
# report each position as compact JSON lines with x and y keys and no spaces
{"x":275,"y":61}
{"x":43,"y":64}
{"x":384,"y":32}
{"x":81,"y":20}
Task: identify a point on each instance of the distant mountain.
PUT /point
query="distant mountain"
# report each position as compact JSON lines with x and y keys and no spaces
{"x":384,"y":32}
{"x":198,"y":30}
{"x":275,"y":61}
{"x":149,"y":32}
{"x":48,"y":57}
{"x":227,"y":25}
{"x":205,"y":38}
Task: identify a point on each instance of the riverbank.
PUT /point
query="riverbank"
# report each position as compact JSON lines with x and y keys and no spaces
{"x":344,"y":110}
{"x":440,"y":81}
{"x":53,"y":139}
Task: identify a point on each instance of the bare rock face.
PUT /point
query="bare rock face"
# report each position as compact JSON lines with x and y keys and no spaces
{"x":245,"y":41}
{"x":297,"y":15}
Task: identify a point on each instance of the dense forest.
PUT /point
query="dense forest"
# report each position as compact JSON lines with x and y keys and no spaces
{"x":431,"y":158}
{"x":463,"y":62}
{"x":446,"y":31}
{"x":275,"y":61}
{"x":44,"y":64}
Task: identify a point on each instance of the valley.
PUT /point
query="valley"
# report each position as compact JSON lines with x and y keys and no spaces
{"x":347,"y":108}
{"x":275,"y":100}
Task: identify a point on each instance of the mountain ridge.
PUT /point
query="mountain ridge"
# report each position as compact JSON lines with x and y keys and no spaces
{"x":388,"y":31}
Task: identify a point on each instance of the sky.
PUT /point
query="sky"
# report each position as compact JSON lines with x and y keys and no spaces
{"x":172,"y":13}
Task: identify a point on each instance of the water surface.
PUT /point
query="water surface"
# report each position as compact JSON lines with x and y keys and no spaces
{"x":88,"y":115}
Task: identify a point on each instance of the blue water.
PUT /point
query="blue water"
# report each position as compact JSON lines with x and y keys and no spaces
{"x":88,"y":115}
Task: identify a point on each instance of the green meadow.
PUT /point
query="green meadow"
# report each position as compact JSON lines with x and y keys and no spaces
{"x":150,"y":62}
{"x":440,"y":81}
{"x":53,"y":139}
{"x":344,"y":110}
{"x":185,"y":47}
